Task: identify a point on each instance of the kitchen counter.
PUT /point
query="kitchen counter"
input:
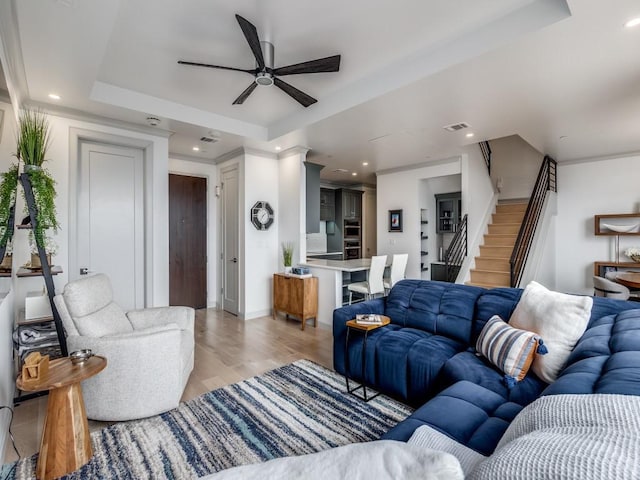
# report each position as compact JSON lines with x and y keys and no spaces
{"x":333,"y":278}
{"x":322,"y":254}
{"x":355,"y":265}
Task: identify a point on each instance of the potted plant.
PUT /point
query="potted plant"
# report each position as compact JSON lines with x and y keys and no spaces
{"x":287,"y":255}
{"x":50,"y":247}
{"x":32,"y":144}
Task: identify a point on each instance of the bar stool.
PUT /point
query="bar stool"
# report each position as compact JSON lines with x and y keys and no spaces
{"x":374,"y":284}
{"x":398,"y":267}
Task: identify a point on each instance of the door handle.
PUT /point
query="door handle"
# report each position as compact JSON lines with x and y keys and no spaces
{"x":234,"y":260}
{"x":85,"y":271}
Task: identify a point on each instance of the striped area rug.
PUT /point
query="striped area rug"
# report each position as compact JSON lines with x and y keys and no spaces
{"x":292,"y":410}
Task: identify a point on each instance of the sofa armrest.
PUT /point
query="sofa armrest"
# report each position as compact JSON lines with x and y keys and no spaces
{"x":150,"y":317}
{"x":341,"y":316}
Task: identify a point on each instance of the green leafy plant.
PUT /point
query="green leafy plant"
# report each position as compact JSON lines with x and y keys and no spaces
{"x":32,"y":144}
{"x":33,"y":137}
{"x":44,"y":194}
{"x":8,"y":188}
{"x":287,"y":253}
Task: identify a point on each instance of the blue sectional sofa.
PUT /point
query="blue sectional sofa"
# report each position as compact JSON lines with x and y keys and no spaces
{"x":427,"y":354}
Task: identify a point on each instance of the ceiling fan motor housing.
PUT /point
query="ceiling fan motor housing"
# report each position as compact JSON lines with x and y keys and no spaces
{"x":265,"y":78}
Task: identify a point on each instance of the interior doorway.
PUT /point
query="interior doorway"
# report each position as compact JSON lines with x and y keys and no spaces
{"x":230,"y":241}
{"x":110,"y":219}
{"x":187,"y":241}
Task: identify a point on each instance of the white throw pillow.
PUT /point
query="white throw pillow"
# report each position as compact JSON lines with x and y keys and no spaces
{"x":559,"y":318}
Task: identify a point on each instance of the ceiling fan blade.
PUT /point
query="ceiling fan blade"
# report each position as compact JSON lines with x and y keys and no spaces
{"x":301,"y":97}
{"x":195,"y":64}
{"x":243,"y":96}
{"x":251,"y":34}
{"x":328,"y":64}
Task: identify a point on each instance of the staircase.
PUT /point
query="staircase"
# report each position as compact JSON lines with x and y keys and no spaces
{"x":492,"y":266}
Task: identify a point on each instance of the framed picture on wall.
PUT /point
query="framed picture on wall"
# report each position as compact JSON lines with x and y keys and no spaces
{"x":395,"y":220}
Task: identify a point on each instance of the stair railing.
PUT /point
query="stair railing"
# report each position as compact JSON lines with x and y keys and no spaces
{"x":546,"y":182}
{"x":457,"y":251}
{"x":486,"y":154}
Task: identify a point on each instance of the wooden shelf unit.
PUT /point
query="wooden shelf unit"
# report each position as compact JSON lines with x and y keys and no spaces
{"x":296,"y":297}
{"x":616,"y":217}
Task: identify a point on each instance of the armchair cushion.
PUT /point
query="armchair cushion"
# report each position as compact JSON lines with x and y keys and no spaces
{"x":183,"y":317}
{"x":87,"y":295}
{"x":109,"y":320}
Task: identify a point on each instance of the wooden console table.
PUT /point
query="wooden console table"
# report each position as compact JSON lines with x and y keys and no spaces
{"x":296,"y":297}
{"x":598,"y":267}
{"x":66,"y":442}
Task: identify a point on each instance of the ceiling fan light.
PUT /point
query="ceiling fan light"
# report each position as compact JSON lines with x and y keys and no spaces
{"x":264,"y":78}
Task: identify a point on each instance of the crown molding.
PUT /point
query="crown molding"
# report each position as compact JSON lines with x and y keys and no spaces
{"x":190,"y":158}
{"x":297,"y":150}
{"x":74,"y":114}
{"x":414,"y":166}
{"x":236,"y":152}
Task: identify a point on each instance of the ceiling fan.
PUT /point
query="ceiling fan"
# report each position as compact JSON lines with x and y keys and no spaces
{"x":264,"y":72}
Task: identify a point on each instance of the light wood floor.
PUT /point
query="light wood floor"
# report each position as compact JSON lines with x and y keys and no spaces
{"x":227,"y":350}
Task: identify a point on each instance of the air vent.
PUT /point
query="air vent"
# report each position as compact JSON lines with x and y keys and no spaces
{"x":340,"y":170}
{"x":212,"y":136}
{"x":456,"y":126}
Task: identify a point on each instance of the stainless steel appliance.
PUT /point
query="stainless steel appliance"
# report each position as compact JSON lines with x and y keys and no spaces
{"x":352,"y":239}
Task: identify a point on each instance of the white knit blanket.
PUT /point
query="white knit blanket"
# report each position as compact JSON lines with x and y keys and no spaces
{"x":379,"y":460}
{"x":581,"y":437}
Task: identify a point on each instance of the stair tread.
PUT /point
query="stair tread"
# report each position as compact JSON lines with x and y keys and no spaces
{"x":484,"y":270}
{"x":485,"y":285}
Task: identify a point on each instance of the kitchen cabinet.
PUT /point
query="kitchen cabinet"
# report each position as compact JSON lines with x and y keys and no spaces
{"x":350,"y":203}
{"x":448,"y":208}
{"x":296,"y":296}
{"x":327,"y":205}
{"x":313,"y":196}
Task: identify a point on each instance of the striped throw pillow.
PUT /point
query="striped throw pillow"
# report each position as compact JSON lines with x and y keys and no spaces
{"x":510,"y":349}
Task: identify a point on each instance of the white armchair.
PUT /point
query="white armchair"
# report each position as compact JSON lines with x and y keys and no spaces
{"x":149,"y":352}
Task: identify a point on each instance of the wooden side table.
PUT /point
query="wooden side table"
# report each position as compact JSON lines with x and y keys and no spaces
{"x":66,"y":443}
{"x":353,"y":325}
{"x":296,"y":297}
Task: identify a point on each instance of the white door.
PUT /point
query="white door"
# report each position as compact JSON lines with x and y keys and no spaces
{"x":110,"y":219}
{"x":230,"y":238}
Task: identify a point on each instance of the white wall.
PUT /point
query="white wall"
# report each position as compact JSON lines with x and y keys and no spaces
{"x":262,"y":248}
{"x":403,"y":190}
{"x":7,"y":376}
{"x":477,"y":202}
{"x":585,"y":189}
{"x":292,"y":195}
{"x":210,"y":172}
{"x":517,"y":163}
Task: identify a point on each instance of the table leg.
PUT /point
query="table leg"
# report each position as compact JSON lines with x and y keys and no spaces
{"x":66,"y":443}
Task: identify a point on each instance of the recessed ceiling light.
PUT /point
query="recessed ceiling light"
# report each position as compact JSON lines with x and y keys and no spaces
{"x":196,"y":149}
{"x":469,"y":135}
{"x":354,"y":174}
{"x":278,"y":148}
{"x":634,"y":22}
{"x":54,"y":96}
{"x":365,"y":163}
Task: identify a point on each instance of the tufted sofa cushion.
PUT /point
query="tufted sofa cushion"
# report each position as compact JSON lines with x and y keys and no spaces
{"x":606,"y":358}
{"x":436,"y":307}
{"x":470,"y":414}
{"x":470,"y":367}
{"x":431,"y":322}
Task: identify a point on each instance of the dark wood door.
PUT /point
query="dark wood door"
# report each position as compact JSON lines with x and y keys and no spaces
{"x":187,"y":241}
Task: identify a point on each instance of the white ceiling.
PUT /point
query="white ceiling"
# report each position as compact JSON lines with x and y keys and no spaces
{"x":535,"y":68}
